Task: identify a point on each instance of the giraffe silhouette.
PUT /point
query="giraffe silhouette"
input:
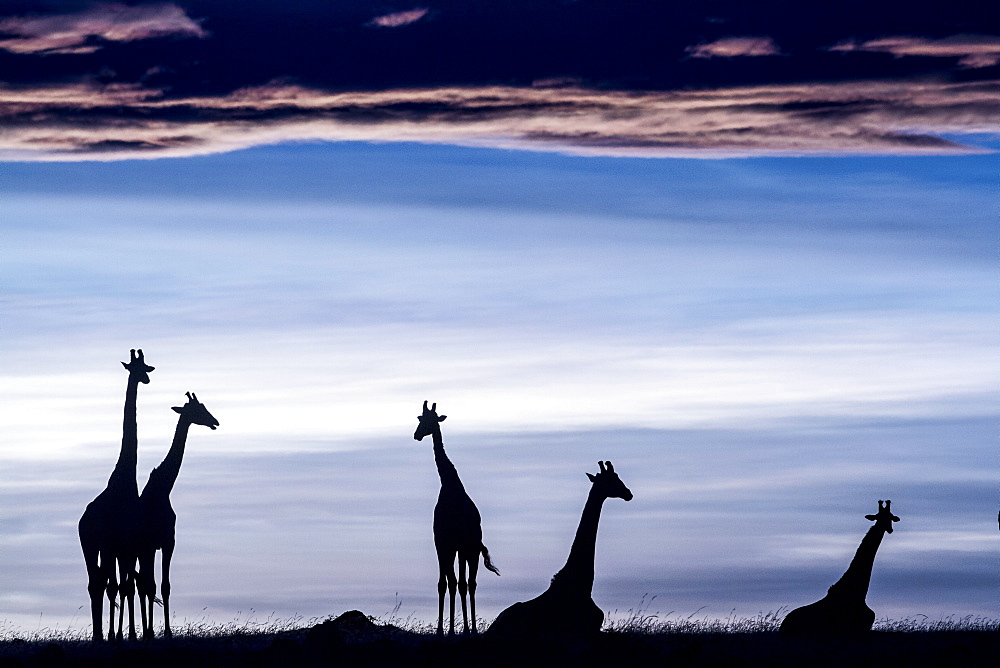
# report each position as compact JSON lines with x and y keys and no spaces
{"x":107,"y":527}
{"x":158,"y":519}
{"x":843,"y":609}
{"x":457,"y":528}
{"x":566,"y":609}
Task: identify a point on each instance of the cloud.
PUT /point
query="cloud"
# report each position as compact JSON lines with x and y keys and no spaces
{"x":974,"y":51}
{"x":112,"y":22}
{"x":729,"y":47}
{"x":87,"y":121}
{"x":398,"y":19}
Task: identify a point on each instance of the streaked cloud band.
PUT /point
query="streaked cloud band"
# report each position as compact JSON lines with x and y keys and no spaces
{"x":74,"y":33}
{"x":87,"y":121}
{"x":974,"y":51}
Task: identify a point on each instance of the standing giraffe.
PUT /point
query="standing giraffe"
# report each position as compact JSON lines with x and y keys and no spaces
{"x":843,"y":609}
{"x":566,"y":609}
{"x":158,"y":517}
{"x":457,"y":528}
{"x":107,"y":528}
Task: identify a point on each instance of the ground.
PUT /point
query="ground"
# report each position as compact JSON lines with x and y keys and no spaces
{"x":354,"y":639}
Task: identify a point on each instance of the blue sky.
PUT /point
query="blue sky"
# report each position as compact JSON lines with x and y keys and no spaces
{"x":746,"y":251}
{"x":763,"y":347}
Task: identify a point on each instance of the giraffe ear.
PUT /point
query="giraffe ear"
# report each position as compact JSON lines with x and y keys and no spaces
{"x":871,"y":517}
{"x":442,"y":418}
{"x":124,"y":364}
{"x":592,"y":478}
{"x":177,"y":409}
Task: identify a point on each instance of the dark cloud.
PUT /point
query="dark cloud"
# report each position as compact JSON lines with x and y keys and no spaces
{"x":628,"y":45}
{"x":114,"y":121}
{"x":650,"y":79}
{"x":84,"y":31}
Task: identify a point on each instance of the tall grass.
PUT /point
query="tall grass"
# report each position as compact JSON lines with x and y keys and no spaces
{"x":924,"y":624}
{"x":244,"y":625}
{"x":639,"y":620}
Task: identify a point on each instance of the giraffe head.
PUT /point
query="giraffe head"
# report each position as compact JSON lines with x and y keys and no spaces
{"x":196,"y":413}
{"x":884,"y":518}
{"x":427,"y":422}
{"x":609,"y":484}
{"x":137,"y":366}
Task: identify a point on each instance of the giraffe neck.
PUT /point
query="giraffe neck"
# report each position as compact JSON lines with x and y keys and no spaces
{"x":858,"y":576}
{"x":446,"y":470}
{"x":578,"y":573}
{"x":163,"y":477}
{"x":124,"y":473}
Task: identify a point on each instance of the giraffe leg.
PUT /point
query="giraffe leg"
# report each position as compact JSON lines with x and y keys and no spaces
{"x":112,"y":595}
{"x":473,"y":570}
{"x":168,"y":553}
{"x":444,"y":566}
{"x":128,"y":594}
{"x":451,"y":602}
{"x":146,"y":588}
{"x":442,"y":585}
{"x":96,"y":584}
{"x":463,"y":592}
{"x":121,"y":605}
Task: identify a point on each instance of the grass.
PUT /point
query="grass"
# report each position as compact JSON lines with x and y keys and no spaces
{"x":641,"y":621}
{"x":635,"y":636}
{"x":244,"y":625}
{"x":924,"y":624}
{"x":635,"y":621}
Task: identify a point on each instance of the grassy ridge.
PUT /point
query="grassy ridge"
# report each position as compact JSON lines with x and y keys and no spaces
{"x":357,"y":640}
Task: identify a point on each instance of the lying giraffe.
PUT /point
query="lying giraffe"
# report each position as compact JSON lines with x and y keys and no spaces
{"x":843,"y":609}
{"x":566,"y":609}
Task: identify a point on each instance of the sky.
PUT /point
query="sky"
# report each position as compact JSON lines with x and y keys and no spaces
{"x":745,"y":251}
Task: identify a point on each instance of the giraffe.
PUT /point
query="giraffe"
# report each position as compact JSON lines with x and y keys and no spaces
{"x":158,"y":518}
{"x":566,"y":609}
{"x":457,"y":528}
{"x":108,"y":524}
{"x":843,"y":609}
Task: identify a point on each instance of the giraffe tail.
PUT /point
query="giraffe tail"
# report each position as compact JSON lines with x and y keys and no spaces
{"x":486,"y":560}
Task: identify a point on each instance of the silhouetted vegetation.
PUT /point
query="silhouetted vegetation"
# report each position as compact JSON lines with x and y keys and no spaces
{"x":355,"y":639}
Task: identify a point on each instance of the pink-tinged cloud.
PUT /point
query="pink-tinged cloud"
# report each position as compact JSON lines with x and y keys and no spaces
{"x":111,"y":22}
{"x":398,"y":19}
{"x":973,"y":51}
{"x":730,"y":47}
{"x":87,"y":121}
